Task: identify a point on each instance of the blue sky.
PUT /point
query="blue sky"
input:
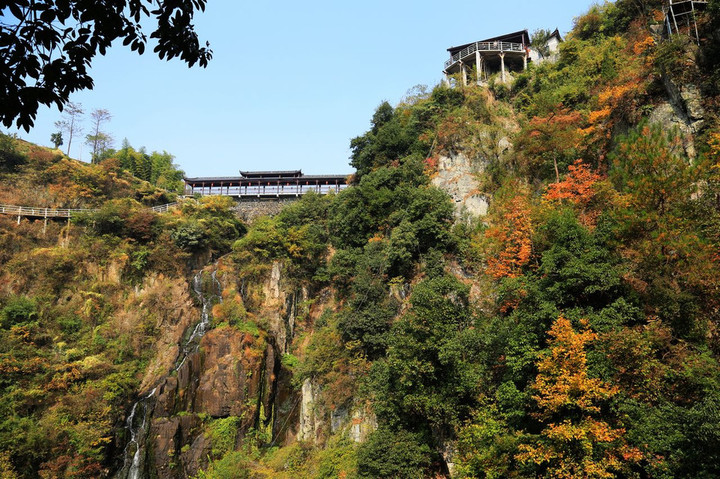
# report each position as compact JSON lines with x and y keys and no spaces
{"x":290,"y":83}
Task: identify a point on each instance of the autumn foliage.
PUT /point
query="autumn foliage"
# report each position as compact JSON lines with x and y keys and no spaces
{"x":577,"y":189}
{"x":512,"y":236}
{"x":547,"y":141}
{"x":577,"y":440}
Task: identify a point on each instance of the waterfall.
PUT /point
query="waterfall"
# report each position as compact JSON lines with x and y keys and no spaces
{"x":138,"y":428}
{"x":137,"y":436}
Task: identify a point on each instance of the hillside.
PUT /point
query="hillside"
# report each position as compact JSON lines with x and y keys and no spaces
{"x":522,"y":281}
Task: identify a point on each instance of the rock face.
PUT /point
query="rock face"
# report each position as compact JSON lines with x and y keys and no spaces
{"x":683,"y":111}
{"x":232,"y":373}
{"x":310,"y":423}
{"x":228,"y":376}
{"x":362,"y":424}
{"x":357,"y":419}
{"x":235,"y":373}
{"x":280,"y":308}
{"x":457,"y":176}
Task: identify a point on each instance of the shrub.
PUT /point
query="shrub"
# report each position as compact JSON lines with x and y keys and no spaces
{"x":394,"y":454}
{"x":223,"y":434}
{"x":19,"y":310}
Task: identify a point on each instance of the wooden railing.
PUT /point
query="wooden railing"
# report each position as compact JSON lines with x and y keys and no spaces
{"x":267,"y":191}
{"x":499,"y":47}
{"x":41,"y":212}
{"x":63,"y":212}
{"x":164,"y":208}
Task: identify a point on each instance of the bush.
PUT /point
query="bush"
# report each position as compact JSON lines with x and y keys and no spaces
{"x":223,"y":434}
{"x":394,"y":454}
{"x":19,"y":310}
{"x":234,"y":465}
{"x":10,"y":158}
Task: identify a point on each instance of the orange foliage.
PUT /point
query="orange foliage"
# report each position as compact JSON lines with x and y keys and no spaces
{"x":619,"y":100}
{"x":599,"y":115}
{"x":574,"y":443}
{"x":431,"y":164}
{"x":715,"y":146}
{"x":644,"y":45}
{"x":562,"y":379}
{"x":578,"y":188}
{"x":547,"y":139}
{"x":512,"y":234}
{"x":556,"y":131}
{"x":612,"y":102}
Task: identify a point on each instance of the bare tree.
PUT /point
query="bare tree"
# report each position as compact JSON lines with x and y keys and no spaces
{"x":99,"y":140}
{"x":70,"y":122}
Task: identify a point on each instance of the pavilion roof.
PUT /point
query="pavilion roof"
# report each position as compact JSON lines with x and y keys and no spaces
{"x":271,"y":174}
{"x":521,"y":36}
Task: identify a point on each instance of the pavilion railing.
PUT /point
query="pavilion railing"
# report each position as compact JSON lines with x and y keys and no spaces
{"x":499,"y":47}
{"x":259,"y":191}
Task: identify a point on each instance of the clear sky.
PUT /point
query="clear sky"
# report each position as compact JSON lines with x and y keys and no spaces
{"x":290,"y":83}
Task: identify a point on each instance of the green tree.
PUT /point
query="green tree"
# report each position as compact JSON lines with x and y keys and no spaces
{"x":396,"y":454}
{"x":143,"y":166}
{"x":10,"y":157}
{"x":165,"y":173}
{"x":539,"y":41}
{"x":18,"y":310}
{"x":56,"y":139}
{"x":429,"y":375}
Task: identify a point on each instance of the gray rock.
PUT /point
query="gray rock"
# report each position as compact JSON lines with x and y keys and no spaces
{"x":457,"y":176}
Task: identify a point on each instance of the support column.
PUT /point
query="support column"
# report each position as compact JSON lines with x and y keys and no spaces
{"x":697,"y":34}
{"x":525,"y":60}
{"x":464,"y":73}
{"x":478,"y":66}
{"x":502,"y":67}
{"x":672,"y":12}
{"x":67,"y":233}
{"x":446,"y":78}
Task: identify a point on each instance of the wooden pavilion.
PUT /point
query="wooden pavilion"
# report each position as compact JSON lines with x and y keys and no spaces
{"x":502,"y":54}
{"x":496,"y":54}
{"x":266,"y":184}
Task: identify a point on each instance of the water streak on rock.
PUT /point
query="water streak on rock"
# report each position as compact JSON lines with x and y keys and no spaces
{"x":138,"y":429}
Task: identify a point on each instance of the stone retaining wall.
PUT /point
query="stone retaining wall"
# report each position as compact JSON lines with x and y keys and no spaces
{"x":250,"y":209}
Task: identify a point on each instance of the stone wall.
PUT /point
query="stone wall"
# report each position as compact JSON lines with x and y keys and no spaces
{"x":250,"y":209}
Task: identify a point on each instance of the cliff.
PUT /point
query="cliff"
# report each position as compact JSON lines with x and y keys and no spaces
{"x":522,"y":281}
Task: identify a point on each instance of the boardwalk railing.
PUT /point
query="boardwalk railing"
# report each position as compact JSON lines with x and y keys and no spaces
{"x":41,"y":212}
{"x":63,"y":212}
{"x":164,"y":208}
{"x":499,"y":47}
